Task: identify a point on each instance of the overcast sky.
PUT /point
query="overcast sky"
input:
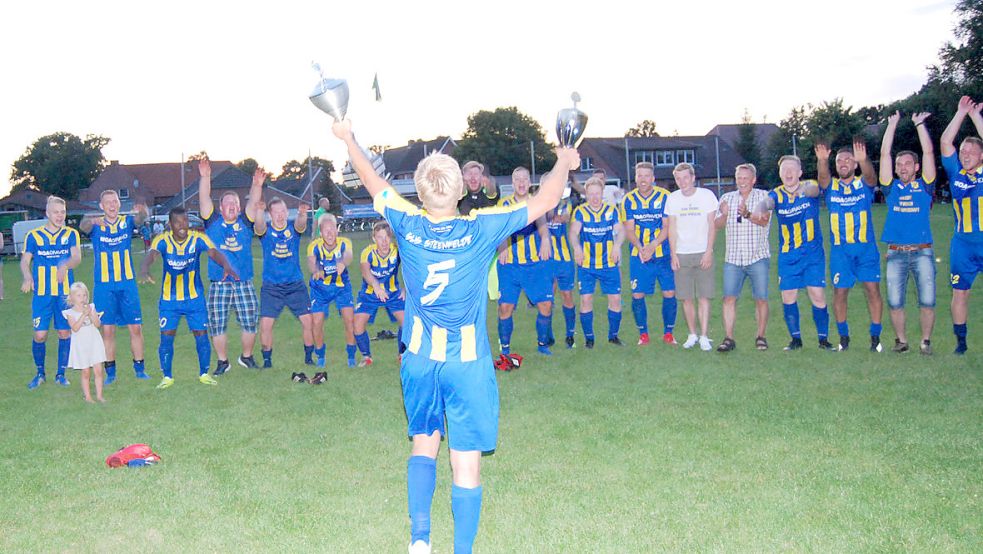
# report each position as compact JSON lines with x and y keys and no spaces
{"x":162,"y":79}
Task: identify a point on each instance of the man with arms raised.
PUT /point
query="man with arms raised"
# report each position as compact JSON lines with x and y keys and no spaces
{"x":116,"y":296}
{"x":231,"y":230}
{"x":801,"y":258}
{"x":965,"y":171}
{"x":447,"y":368}
{"x":853,"y":252}
{"x":50,"y":253}
{"x":908,"y":230}
{"x":643,"y":213}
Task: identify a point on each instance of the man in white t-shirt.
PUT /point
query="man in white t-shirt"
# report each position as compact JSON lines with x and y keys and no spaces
{"x":691,"y":212}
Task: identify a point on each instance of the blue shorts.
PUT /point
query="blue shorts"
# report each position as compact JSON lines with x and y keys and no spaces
{"x":533,"y":278}
{"x":849,"y":263}
{"x":735,"y":275}
{"x":804,"y":270}
{"x":466,"y":393}
{"x":46,"y":308}
{"x":370,"y":304}
{"x":965,"y":261}
{"x":119,"y":303}
{"x":195,"y":312}
{"x":643,"y":276}
{"x":322,"y":297}
{"x":563,"y":274}
{"x":609,"y":277}
{"x":273,"y":297}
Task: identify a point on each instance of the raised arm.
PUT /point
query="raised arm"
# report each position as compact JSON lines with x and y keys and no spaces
{"x":363,"y":167}
{"x":887,"y":167}
{"x":928,"y":151}
{"x":142,"y":214}
{"x":866,"y":167}
{"x":205,"y":205}
{"x":89,"y":221}
{"x":300,"y":222}
{"x":259,"y":221}
{"x":545,"y":244}
{"x":822,"y":164}
{"x":948,"y":140}
{"x":551,"y":189}
{"x":974,"y":114}
{"x":253,"y":210}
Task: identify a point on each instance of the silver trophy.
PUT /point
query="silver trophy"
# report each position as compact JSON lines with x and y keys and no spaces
{"x":330,"y":95}
{"x":570,"y":124}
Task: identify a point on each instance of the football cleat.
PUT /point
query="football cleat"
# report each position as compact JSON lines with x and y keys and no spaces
{"x":570,"y":341}
{"x":643,"y":339}
{"x":824,"y":344}
{"x":419,"y":547}
{"x":141,"y":375}
{"x":36,"y":382}
{"x":960,"y":350}
{"x":221,"y":368}
{"x":615,"y":341}
{"x":875,"y":344}
{"x":588,"y":343}
{"x":61,"y":380}
{"x":844,"y":343}
{"x":110,"y":379}
{"x":298,"y":378}
{"x":206,"y":379}
{"x":544,"y":350}
{"x":795,"y":344}
{"x":366,"y":361}
{"x":319,"y":378}
{"x":669,"y":339}
{"x":165,"y":382}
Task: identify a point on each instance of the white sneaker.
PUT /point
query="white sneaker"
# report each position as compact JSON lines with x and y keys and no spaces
{"x":419,"y":547}
{"x":690,"y":341}
{"x":705,"y":343}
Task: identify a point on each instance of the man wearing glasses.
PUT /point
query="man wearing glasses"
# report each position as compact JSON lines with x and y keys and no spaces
{"x":747,"y":254}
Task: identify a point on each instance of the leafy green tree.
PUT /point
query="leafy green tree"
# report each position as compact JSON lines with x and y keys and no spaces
{"x":962,"y":62}
{"x":248,"y":166}
{"x":747,"y":141}
{"x":324,"y":187}
{"x":60,"y":164}
{"x":500,"y":139}
{"x":786,"y":141}
{"x":645,"y":128}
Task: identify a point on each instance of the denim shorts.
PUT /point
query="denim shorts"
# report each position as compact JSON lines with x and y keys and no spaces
{"x":900,"y":264}
{"x":735,"y":275}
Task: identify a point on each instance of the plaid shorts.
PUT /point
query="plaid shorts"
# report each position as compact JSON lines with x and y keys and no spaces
{"x":225,"y":294}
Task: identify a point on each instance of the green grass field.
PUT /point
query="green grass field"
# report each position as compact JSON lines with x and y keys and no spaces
{"x":610,"y":450}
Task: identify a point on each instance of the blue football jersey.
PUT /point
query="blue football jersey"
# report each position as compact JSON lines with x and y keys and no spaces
{"x":849,"y":202}
{"x":281,"y":254}
{"x":648,"y":215}
{"x":49,"y":250}
{"x":111,"y":248}
{"x":798,"y":222}
{"x":384,"y":268}
{"x":181,"y":281}
{"x":328,"y":259}
{"x":445,"y":271}
{"x":234,"y":238}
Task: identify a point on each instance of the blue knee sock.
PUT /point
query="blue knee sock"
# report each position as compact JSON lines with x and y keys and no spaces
{"x":319,"y":351}
{"x":139,"y":366}
{"x":505,"y":333}
{"x":466,"y":505}
{"x":570,"y":319}
{"x":640,"y":311}
{"x":110,"y":367}
{"x":791,"y":313}
{"x":204,"y":349}
{"x":350,"y":350}
{"x":959,"y":329}
{"x":421,"y":480}
{"x":542,"y":329}
{"x":587,"y":322}
{"x":821,"y":317}
{"x":842,"y":327}
{"x":166,"y":353}
{"x":668,"y":314}
{"x":614,"y":324}
{"x":308,"y":353}
{"x":875,"y":329}
{"x":267,"y":356}
{"x":39,"y":349}
{"x":549,"y":328}
{"x":64,"y":347}
{"x":362,"y":341}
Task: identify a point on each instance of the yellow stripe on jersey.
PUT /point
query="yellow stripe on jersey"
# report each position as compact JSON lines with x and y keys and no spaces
{"x":179,"y":284}
{"x":785,"y":238}
{"x":438,"y":344}
{"x":834,"y":227}
{"x":104,"y":264}
{"x":797,"y":234}
{"x":416,"y":336}
{"x":967,"y":215}
{"x":42,"y":281}
{"x":469,"y":345}
{"x":848,"y":223}
{"x":117,"y":266}
{"x":127,"y":264}
{"x":191,"y":285}
{"x":166,"y":287}
{"x":810,"y":230}
{"x":979,"y":212}
{"x":863,"y":226}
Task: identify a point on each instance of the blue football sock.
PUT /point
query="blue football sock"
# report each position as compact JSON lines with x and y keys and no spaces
{"x":110,"y":367}
{"x":614,"y":324}
{"x":505,"y":333}
{"x":350,"y":350}
{"x":791,"y":313}
{"x":960,"y":330}
{"x":421,"y":480}
{"x":466,"y":506}
{"x":570,"y":319}
{"x":64,"y":347}
{"x":204,"y":349}
{"x":668,"y":314}
{"x":39,"y":349}
{"x":139,"y":366}
{"x":542,"y":328}
{"x":166,"y":353}
{"x":842,"y":327}
{"x":308,"y":353}
{"x":821,"y":317}
{"x":549,"y":328}
{"x":875,"y":329}
{"x":362,"y":341}
{"x":267,"y":356}
{"x":587,"y":322}
{"x":640,"y":310}
{"x":320,"y":350}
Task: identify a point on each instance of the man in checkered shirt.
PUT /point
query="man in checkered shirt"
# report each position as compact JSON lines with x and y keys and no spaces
{"x":747,"y":254}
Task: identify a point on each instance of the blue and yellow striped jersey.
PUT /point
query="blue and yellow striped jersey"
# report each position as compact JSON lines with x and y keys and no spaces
{"x":798,"y":221}
{"x":445,"y":272}
{"x":181,"y":281}
{"x":558,"y":231}
{"x":384,"y":268}
{"x":111,"y":247}
{"x":523,"y":245}
{"x":967,"y":200}
{"x":49,"y":249}
{"x":647,"y":213}
{"x":327,"y":259}
{"x":597,"y":235}
{"x":849,"y":202}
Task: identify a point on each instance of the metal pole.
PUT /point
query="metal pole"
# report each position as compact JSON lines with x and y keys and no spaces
{"x":182,"y":180}
{"x":716,"y":146}
{"x":627,"y":164}
{"x":795,"y":151}
{"x":532,"y":157}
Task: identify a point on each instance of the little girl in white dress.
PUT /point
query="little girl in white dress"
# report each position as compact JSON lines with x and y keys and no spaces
{"x":87,"y":350}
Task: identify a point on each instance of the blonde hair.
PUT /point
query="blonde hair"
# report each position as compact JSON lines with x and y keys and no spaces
{"x":681,"y":167}
{"x":439,"y":181}
{"x":469,"y":164}
{"x":520,"y":169}
{"x":645,"y":165}
{"x":326,"y":217}
{"x":594,"y":182}
{"x":382,"y":226}
{"x":107,"y":192}
{"x":78,"y":286}
{"x":789,"y":158}
{"x":56,"y":200}
{"x":748,"y":166}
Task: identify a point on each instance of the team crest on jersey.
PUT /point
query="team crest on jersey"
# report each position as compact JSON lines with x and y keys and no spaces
{"x":64,"y":239}
{"x":914,"y":186}
{"x":235,"y":226}
{"x":286,"y":234}
{"x":122,"y":224}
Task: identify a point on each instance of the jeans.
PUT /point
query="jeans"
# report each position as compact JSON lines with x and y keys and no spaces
{"x":920,"y":263}
{"x":734,"y":276}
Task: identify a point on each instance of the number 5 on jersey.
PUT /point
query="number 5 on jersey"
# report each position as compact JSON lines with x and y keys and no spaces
{"x":437,"y":277}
